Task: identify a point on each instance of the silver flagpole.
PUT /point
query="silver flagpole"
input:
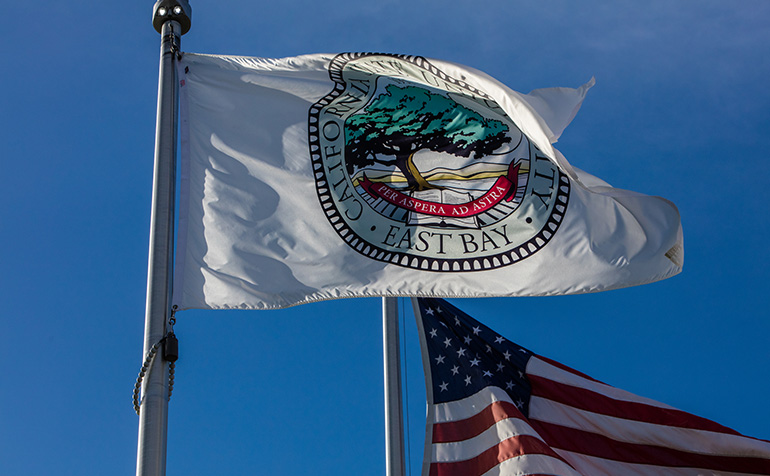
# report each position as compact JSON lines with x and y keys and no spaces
{"x":171,"y":18}
{"x":394,"y":414}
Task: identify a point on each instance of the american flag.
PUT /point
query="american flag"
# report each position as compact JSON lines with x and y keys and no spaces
{"x":496,"y":408}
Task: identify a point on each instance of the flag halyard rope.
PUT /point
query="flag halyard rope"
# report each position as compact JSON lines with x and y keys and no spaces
{"x":170,"y":354}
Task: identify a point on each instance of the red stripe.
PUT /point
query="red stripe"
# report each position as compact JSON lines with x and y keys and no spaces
{"x":505,"y":450}
{"x":567,"y":369}
{"x":591,"y":444}
{"x":602,"y":404}
{"x":464,"y":429}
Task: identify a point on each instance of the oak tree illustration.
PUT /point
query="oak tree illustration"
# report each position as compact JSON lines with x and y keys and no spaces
{"x":403,"y":120}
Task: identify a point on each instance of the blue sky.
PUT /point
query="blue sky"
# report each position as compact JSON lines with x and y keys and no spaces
{"x":680,"y":109}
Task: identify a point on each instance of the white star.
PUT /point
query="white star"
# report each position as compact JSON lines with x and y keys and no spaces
{"x":498,"y":340}
{"x":429,"y":312}
{"x":467,"y":339}
{"x":447,"y":342}
{"x":440,"y":359}
{"x":507,"y":355}
{"x":509,"y":385}
{"x":487,"y":373}
{"x":522,"y":350}
{"x":457,"y":320}
{"x":500,"y":366}
{"x":521,"y":374}
{"x":461,"y":352}
{"x":438,"y":309}
{"x":433,"y":332}
{"x":455,"y":370}
{"x":476,"y":330}
{"x":489,"y":349}
{"x":444,"y":386}
{"x":467,"y":380}
{"x":475,"y":362}
{"x":519,"y":404}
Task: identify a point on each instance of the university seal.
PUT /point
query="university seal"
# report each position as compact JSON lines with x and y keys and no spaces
{"x":422,"y":170}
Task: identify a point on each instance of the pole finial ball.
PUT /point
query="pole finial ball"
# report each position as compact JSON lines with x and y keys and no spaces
{"x":176,"y":10}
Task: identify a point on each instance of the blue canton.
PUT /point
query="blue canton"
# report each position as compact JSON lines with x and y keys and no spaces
{"x":466,"y":356}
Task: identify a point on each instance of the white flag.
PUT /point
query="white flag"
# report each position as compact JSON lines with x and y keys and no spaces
{"x":322,"y":177}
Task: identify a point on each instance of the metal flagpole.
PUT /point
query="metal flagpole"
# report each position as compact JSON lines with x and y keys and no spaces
{"x":394,"y":414}
{"x":171,"y":18}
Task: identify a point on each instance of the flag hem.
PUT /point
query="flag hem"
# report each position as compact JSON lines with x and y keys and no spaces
{"x":352,"y":294}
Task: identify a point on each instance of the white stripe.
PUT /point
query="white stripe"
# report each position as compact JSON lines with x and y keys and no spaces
{"x":532,"y":464}
{"x":543,"y":369}
{"x":631,"y":431}
{"x":593,"y":465}
{"x":469,"y":406}
{"x":492,"y":436}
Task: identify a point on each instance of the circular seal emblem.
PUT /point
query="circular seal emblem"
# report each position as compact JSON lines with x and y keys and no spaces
{"x":422,"y":170}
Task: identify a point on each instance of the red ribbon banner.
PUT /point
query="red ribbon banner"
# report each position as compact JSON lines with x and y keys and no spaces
{"x":503,"y":189}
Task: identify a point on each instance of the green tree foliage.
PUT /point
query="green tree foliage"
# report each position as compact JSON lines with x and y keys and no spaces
{"x":404,"y":120}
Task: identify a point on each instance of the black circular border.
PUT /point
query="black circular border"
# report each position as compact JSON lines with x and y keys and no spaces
{"x":520,"y":252}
